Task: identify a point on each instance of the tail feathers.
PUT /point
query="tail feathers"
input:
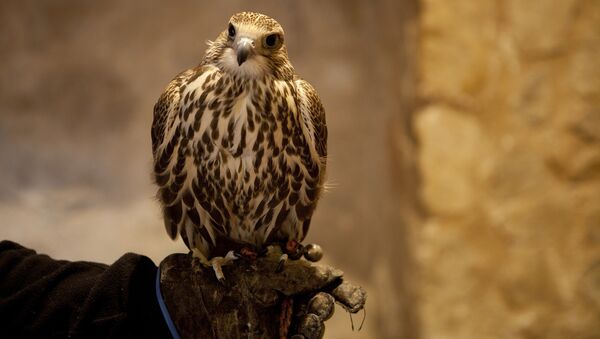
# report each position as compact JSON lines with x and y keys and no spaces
{"x":172,"y":217}
{"x":171,"y":229}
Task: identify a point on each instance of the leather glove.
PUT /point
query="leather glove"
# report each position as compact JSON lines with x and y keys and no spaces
{"x":255,"y":301}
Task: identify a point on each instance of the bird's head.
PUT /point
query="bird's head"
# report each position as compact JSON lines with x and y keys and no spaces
{"x":251,"y":47}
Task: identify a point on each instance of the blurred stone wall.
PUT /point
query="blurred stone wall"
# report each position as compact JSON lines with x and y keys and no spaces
{"x":508,"y":135}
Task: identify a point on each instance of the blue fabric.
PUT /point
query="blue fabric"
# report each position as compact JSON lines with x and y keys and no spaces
{"x":164,"y":309}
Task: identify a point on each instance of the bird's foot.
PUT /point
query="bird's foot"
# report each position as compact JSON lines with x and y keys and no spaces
{"x":293,"y":250}
{"x":218,"y":262}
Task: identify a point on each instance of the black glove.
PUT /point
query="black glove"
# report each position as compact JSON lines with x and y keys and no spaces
{"x":256,"y":301}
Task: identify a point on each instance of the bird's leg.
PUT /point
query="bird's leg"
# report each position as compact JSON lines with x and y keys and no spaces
{"x":200,"y":256}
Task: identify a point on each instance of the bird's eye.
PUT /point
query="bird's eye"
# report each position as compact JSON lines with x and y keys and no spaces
{"x":231,"y":31}
{"x":271,"y":40}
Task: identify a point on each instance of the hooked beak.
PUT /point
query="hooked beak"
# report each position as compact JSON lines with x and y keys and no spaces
{"x":244,"y":47}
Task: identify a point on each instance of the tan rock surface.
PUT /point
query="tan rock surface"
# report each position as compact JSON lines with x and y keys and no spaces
{"x":509,"y":158}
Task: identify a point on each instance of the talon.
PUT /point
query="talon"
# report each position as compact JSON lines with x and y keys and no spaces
{"x":281,"y":264}
{"x":216,"y":265}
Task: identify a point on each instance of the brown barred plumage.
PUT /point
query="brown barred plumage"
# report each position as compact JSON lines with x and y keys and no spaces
{"x":239,"y":144}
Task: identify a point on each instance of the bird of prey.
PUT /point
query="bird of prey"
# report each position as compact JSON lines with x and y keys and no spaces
{"x":240,"y":146}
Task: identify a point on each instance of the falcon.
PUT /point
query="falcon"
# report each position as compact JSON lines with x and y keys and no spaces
{"x":240,"y":146}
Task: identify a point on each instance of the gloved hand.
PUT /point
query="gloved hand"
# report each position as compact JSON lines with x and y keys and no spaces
{"x":256,"y":301}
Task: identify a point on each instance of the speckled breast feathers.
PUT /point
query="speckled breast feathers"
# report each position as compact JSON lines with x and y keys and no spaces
{"x":239,"y":153}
